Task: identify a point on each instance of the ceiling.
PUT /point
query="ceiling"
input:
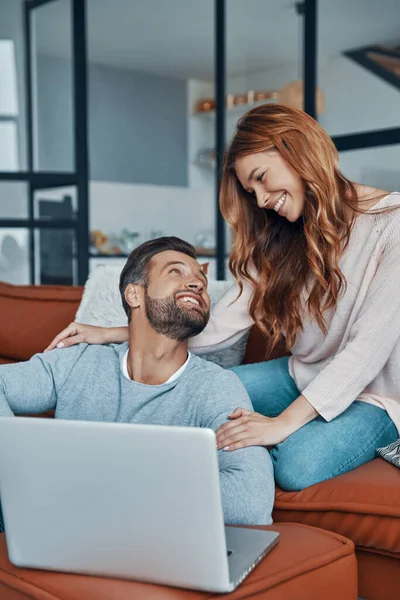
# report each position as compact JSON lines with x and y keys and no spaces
{"x":175,"y":38}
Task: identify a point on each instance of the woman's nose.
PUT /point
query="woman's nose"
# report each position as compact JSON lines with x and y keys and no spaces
{"x":262,"y":198}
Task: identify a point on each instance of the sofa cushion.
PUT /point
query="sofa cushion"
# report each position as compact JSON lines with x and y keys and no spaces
{"x":378,"y":575}
{"x":30,"y":316}
{"x":363,"y":504}
{"x":306,"y":563}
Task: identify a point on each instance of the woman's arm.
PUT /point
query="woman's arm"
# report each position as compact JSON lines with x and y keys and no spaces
{"x":78,"y":333}
{"x":229,"y":320}
{"x":248,"y":428}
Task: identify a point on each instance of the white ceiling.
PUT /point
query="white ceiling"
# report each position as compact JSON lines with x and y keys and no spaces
{"x":175,"y":38}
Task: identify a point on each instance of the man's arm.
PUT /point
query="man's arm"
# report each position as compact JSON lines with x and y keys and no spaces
{"x":247,"y":479}
{"x":31,"y":387}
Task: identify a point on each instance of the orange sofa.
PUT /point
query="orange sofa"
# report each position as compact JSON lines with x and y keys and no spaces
{"x":363,"y":505}
{"x":307,"y":564}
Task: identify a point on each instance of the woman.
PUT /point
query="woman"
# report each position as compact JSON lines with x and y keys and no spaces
{"x":317,"y":259}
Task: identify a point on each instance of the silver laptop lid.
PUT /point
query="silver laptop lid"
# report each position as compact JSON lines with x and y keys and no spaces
{"x":131,"y":501}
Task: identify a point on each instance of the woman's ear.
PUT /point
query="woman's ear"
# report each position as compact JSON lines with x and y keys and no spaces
{"x":132,"y":295}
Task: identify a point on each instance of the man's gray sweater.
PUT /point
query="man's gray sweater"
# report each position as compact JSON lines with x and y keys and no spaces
{"x":87,"y":382}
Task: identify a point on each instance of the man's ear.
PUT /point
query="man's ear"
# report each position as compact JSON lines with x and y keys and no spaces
{"x":133,"y":295}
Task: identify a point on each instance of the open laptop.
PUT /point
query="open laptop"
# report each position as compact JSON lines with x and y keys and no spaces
{"x":112,"y":499}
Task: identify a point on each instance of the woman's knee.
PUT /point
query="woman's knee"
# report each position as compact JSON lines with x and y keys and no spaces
{"x":294,"y":471}
{"x":288,"y":479}
{"x":320,"y":451}
{"x":293,"y":480}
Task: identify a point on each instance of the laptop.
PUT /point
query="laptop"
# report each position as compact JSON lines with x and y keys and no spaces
{"x":120,"y":500}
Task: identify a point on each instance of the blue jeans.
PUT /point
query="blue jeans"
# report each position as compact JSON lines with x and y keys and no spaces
{"x":318,"y":450}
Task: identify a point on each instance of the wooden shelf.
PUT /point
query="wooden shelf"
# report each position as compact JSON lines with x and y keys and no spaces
{"x":234,"y":111}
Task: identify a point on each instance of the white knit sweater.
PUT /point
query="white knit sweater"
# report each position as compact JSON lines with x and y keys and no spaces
{"x":359,"y":357}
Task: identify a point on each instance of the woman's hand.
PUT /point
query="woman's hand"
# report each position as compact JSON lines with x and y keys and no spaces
{"x":248,"y":428}
{"x":77,"y":333}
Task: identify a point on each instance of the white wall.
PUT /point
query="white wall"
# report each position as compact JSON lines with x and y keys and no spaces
{"x":137,"y":123}
{"x":356,"y":100}
{"x":377,"y":167}
{"x":145,"y":208}
{"x":183,"y":212}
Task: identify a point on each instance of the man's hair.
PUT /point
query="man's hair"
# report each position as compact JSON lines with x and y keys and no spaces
{"x":137,"y":267}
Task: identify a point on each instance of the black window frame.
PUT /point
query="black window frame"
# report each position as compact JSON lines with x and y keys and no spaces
{"x":79,"y":176}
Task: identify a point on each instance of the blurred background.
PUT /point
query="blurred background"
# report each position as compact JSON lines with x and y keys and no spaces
{"x":114,"y":115}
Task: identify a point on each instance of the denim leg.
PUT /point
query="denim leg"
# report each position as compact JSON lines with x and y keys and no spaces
{"x":269,"y":385}
{"x":322,"y":450}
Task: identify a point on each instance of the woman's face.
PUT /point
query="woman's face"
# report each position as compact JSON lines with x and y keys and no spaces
{"x":275,"y":185}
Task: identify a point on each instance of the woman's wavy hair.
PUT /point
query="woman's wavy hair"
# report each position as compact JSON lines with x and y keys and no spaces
{"x":297,"y":263}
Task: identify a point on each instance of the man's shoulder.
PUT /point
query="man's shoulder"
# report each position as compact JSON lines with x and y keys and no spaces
{"x":209,"y":372}
{"x":104,"y":354}
{"x":81,"y":353}
{"x":216,"y":390}
{"x":200,"y":366}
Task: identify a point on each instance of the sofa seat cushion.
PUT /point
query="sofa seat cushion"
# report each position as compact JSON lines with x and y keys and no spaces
{"x":31,"y":316}
{"x":378,"y":575}
{"x":363,"y":505}
{"x":306,"y":563}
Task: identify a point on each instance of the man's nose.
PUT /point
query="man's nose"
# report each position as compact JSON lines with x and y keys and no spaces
{"x":196,"y":285}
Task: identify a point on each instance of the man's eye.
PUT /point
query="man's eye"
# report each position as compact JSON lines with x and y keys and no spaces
{"x":175,"y":271}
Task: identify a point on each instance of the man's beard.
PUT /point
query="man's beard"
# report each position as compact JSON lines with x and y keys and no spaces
{"x":173,"y":321}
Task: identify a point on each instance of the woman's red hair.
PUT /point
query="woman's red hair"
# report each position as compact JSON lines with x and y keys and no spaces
{"x":297,"y":263}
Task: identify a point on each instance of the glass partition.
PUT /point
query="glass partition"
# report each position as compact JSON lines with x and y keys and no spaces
{"x":359,"y":65}
{"x":52,"y":86}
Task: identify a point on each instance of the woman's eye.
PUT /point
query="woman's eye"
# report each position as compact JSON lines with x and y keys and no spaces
{"x":261,"y":177}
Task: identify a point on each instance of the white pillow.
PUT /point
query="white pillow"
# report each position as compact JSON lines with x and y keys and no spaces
{"x":101,"y":305}
{"x":101,"y":301}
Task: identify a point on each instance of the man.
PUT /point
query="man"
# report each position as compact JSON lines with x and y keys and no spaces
{"x":152,"y":378}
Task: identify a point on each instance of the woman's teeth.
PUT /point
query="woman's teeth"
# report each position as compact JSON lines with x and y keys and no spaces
{"x":280,"y":202}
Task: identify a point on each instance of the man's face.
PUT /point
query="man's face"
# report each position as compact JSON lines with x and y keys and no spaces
{"x":176,"y":300}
